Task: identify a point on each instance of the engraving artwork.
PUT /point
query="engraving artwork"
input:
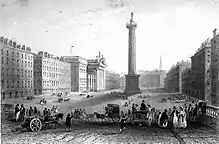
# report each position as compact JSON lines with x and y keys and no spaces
{"x":109,"y":71}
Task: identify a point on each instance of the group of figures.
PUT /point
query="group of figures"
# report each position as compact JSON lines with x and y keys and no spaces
{"x":175,"y":117}
{"x":21,"y":113}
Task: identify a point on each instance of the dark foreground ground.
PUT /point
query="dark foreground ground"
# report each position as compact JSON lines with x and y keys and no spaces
{"x":93,"y":134}
{"x":97,"y":133}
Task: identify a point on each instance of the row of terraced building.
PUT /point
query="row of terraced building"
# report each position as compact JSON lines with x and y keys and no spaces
{"x":24,"y":73}
{"x":198,"y":78}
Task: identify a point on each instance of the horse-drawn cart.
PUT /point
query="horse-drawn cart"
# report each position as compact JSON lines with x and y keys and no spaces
{"x":142,"y":117}
{"x":35,"y":123}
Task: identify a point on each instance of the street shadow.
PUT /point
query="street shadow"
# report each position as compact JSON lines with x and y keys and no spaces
{"x":109,"y":133}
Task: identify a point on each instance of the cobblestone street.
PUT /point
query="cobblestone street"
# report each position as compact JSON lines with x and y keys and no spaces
{"x":198,"y":134}
{"x":93,"y":134}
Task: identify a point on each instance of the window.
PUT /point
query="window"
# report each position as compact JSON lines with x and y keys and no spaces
{"x":7,"y":71}
{"x":12,"y":84}
{"x":22,"y":84}
{"x":28,"y":57}
{"x":28,"y":64}
{"x":2,"y":70}
{"x":25,"y":57}
{"x":12,"y":72}
{"x":17,"y":62}
{"x":22,"y":73}
{"x":12,"y":61}
{"x":25,"y":63}
{"x":18,"y":72}
{"x":22,"y":56}
{"x":2,"y":83}
{"x":22,"y":63}
{"x":25,"y":73}
{"x":18,"y":83}
{"x":8,"y":84}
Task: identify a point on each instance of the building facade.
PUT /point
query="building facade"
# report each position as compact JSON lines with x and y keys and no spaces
{"x":187,"y":81}
{"x":200,"y":66}
{"x":152,"y":78}
{"x":173,"y":79}
{"x":54,"y":75}
{"x":96,"y":73}
{"x":112,"y":80}
{"x":122,"y":82}
{"x":78,"y":72}
{"x":215,"y":68}
{"x":16,"y":69}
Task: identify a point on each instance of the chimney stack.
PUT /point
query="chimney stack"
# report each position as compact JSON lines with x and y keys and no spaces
{"x":214,"y":32}
{"x":99,"y":54}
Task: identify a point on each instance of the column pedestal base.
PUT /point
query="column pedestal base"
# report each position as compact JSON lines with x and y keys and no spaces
{"x":132,"y":84}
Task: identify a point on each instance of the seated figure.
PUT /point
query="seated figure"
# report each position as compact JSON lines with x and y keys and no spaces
{"x":143,"y":106}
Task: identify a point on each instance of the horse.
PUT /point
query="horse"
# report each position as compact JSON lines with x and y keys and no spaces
{"x":54,"y":119}
{"x":100,"y":116}
{"x":88,"y":117}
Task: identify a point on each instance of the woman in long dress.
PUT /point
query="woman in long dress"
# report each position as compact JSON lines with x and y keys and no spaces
{"x":174,"y":117}
{"x":18,"y":115}
{"x":182,"y":118}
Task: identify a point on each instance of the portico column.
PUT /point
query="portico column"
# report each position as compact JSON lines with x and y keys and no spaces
{"x":92,"y":87}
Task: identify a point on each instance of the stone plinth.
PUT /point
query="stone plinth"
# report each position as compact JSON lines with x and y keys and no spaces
{"x":132,"y":84}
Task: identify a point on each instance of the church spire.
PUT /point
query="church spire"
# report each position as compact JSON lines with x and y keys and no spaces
{"x":160,"y":65}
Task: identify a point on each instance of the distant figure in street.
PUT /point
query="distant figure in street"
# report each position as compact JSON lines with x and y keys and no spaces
{"x":16,"y":110}
{"x":122,"y":123}
{"x":195,"y":110}
{"x":48,"y":112}
{"x":68,"y":122}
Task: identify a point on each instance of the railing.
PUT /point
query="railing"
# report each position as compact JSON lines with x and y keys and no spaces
{"x":210,"y":116}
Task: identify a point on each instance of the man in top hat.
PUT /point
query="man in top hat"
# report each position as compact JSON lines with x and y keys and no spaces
{"x":143,"y":106}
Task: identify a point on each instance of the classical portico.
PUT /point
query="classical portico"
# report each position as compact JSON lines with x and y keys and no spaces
{"x":96,"y":73}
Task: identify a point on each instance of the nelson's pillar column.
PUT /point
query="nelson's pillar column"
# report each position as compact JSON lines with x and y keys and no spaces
{"x":132,"y":79}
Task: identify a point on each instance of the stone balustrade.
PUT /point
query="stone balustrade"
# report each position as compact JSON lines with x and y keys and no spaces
{"x":210,"y":116}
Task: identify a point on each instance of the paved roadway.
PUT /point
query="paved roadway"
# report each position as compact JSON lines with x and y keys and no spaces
{"x":93,"y":134}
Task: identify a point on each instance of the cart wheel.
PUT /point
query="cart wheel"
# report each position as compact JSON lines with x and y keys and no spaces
{"x":35,"y":124}
{"x":115,"y":118}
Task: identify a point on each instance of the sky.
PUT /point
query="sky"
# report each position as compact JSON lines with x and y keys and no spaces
{"x":172,"y":29}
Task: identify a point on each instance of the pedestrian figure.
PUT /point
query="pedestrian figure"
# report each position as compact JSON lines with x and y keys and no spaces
{"x":68,"y":122}
{"x":45,"y":112}
{"x":16,"y":110}
{"x":48,"y":112}
{"x":30,"y":111}
{"x":122,"y":123}
{"x":174,"y":117}
{"x":35,"y":111}
{"x":164,"y":119}
{"x":22,"y":112}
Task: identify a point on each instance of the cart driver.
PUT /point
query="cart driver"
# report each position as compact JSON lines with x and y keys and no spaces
{"x":143,"y":106}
